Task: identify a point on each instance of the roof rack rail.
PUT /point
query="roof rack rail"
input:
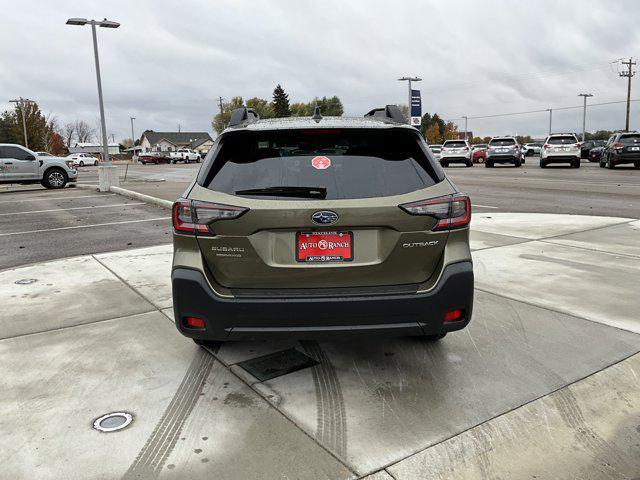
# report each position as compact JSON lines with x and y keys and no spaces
{"x":391,"y":112}
{"x":243,"y":114}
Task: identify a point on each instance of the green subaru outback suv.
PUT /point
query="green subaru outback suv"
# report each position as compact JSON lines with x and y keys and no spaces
{"x":314,"y":226}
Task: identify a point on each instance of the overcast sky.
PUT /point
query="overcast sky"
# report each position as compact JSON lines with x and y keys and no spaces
{"x":169,"y":61}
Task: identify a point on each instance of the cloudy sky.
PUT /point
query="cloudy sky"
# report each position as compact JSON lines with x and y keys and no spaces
{"x":170,"y":61}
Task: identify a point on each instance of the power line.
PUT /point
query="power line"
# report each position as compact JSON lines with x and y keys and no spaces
{"x":476,"y":117}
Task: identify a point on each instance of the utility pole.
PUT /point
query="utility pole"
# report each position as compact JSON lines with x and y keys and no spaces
{"x":550,"y":110}
{"x":220,"y":103}
{"x":133,"y":138}
{"x":629,"y":73}
{"x":584,"y":113}
{"x":465,"y":127}
{"x":23,"y":103}
{"x":179,"y":128}
{"x":409,"y":79}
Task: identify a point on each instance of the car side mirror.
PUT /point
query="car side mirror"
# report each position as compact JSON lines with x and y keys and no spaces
{"x":29,"y":157}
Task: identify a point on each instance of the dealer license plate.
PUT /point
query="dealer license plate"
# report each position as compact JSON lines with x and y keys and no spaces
{"x":324,"y":247}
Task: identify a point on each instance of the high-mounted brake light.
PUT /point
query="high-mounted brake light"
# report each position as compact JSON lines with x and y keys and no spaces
{"x":191,"y":217}
{"x":451,"y":212}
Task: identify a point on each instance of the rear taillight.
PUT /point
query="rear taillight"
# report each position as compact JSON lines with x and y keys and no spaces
{"x":466,"y":149}
{"x":546,"y":145}
{"x":577,"y":145}
{"x":451,"y":212}
{"x":617,"y":146}
{"x":191,"y":216}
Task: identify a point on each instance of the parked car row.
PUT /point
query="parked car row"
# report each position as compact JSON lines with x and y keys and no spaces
{"x":185,"y":155}
{"x":621,"y":148}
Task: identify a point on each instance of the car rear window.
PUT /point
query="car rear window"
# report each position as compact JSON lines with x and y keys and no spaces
{"x":566,"y":139}
{"x":348,"y":163}
{"x":454,"y":144}
{"x":502,"y":142}
{"x":634,"y":138}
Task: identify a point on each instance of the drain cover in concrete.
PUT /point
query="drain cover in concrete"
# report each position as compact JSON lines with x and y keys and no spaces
{"x":112,"y":422}
{"x":277,"y":364}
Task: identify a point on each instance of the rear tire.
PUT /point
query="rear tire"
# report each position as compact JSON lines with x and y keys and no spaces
{"x":55,"y":178}
{"x":517,"y":163}
{"x":576,"y":164}
{"x":610,"y":164}
{"x":470,"y":164}
{"x":636,"y":165}
{"x":95,"y":164}
{"x":488,"y":164}
{"x":81,"y":163}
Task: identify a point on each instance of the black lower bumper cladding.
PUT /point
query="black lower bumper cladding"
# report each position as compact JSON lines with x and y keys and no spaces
{"x":336,"y":316}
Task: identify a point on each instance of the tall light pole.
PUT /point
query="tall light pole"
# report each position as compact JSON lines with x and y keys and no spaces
{"x":133,"y":138}
{"x":107,"y":174}
{"x":410,"y":79}
{"x":550,"y":110}
{"x":584,"y":113}
{"x":23,"y":103}
{"x":465,"y":127}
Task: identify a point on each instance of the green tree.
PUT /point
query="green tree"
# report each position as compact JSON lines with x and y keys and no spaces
{"x":329,"y":107}
{"x":301,"y":109}
{"x":221,"y":120}
{"x":261,"y":106}
{"x":280,"y":103}
{"x":39,"y":128}
{"x":8,"y":120}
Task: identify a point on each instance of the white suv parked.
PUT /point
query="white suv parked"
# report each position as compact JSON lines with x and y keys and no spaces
{"x":21,"y":165}
{"x":455,"y":151}
{"x":560,"y":148}
{"x":503,"y":150}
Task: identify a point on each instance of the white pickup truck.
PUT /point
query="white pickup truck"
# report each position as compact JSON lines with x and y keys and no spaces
{"x":185,"y":155}
{"x":21,"y":165}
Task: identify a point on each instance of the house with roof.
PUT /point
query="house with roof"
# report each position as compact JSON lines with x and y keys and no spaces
{"x":152,"y":141}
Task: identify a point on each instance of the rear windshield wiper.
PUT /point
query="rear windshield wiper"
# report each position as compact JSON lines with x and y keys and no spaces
{"x":302,"y":192}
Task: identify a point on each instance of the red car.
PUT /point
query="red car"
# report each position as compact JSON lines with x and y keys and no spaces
{"x":479,"y":153}
{"x":153,"y":157}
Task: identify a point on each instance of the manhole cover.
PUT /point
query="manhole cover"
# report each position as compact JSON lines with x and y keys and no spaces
{"x":26,"y":281}
{"x":112,"y":422}
{"x":277,"y":364}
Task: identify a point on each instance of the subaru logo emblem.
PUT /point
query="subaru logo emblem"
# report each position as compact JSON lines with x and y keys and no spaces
{"x":324,"y":217}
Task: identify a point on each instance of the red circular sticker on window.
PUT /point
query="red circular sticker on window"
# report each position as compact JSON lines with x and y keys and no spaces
{"x":321,"y":163}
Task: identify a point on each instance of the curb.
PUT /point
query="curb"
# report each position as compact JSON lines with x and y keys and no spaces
{"x":141,"y":196}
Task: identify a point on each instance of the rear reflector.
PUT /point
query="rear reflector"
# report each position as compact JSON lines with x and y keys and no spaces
{"x":191,"y":216}
{"x":452,"y":211}
{"x":453,"y":315}
{"x":194,"y":322}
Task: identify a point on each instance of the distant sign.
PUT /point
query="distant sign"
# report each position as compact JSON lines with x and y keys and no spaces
{"x":416,"y":108}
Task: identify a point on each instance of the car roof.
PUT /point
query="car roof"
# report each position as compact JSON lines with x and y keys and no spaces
{"x":294,"y":123}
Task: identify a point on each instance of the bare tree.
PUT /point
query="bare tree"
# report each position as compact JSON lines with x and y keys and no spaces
{"x":66,"y":132}
{"x":84,"y":132}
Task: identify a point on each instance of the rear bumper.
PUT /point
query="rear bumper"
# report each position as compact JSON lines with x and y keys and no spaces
{"x":561,"y":158}
{"x":313,"y":317}
{"x":620,"y":158}
{"x":503,"y":158}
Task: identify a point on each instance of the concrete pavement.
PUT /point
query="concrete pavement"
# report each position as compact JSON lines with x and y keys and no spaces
{"x":543,"y":383}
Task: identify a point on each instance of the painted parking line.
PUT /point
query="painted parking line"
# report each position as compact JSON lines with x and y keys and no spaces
{"x":482,"y":206}
{"x":74,"y":208}
{"x":57,"y":198}
{"x":85,"y":226}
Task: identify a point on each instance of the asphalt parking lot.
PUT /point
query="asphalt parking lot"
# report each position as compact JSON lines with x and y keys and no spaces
{"x":38,"y":224}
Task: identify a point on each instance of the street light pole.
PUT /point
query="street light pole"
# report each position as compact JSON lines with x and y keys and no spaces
{"x":22,"y":103}
{"x":410,"y":79}
{"x":107,"y":173}
{"x":465,"y":127}
{"x":133,"y":138}
{"x":550,"y":110}
{"x":584,"y":113}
